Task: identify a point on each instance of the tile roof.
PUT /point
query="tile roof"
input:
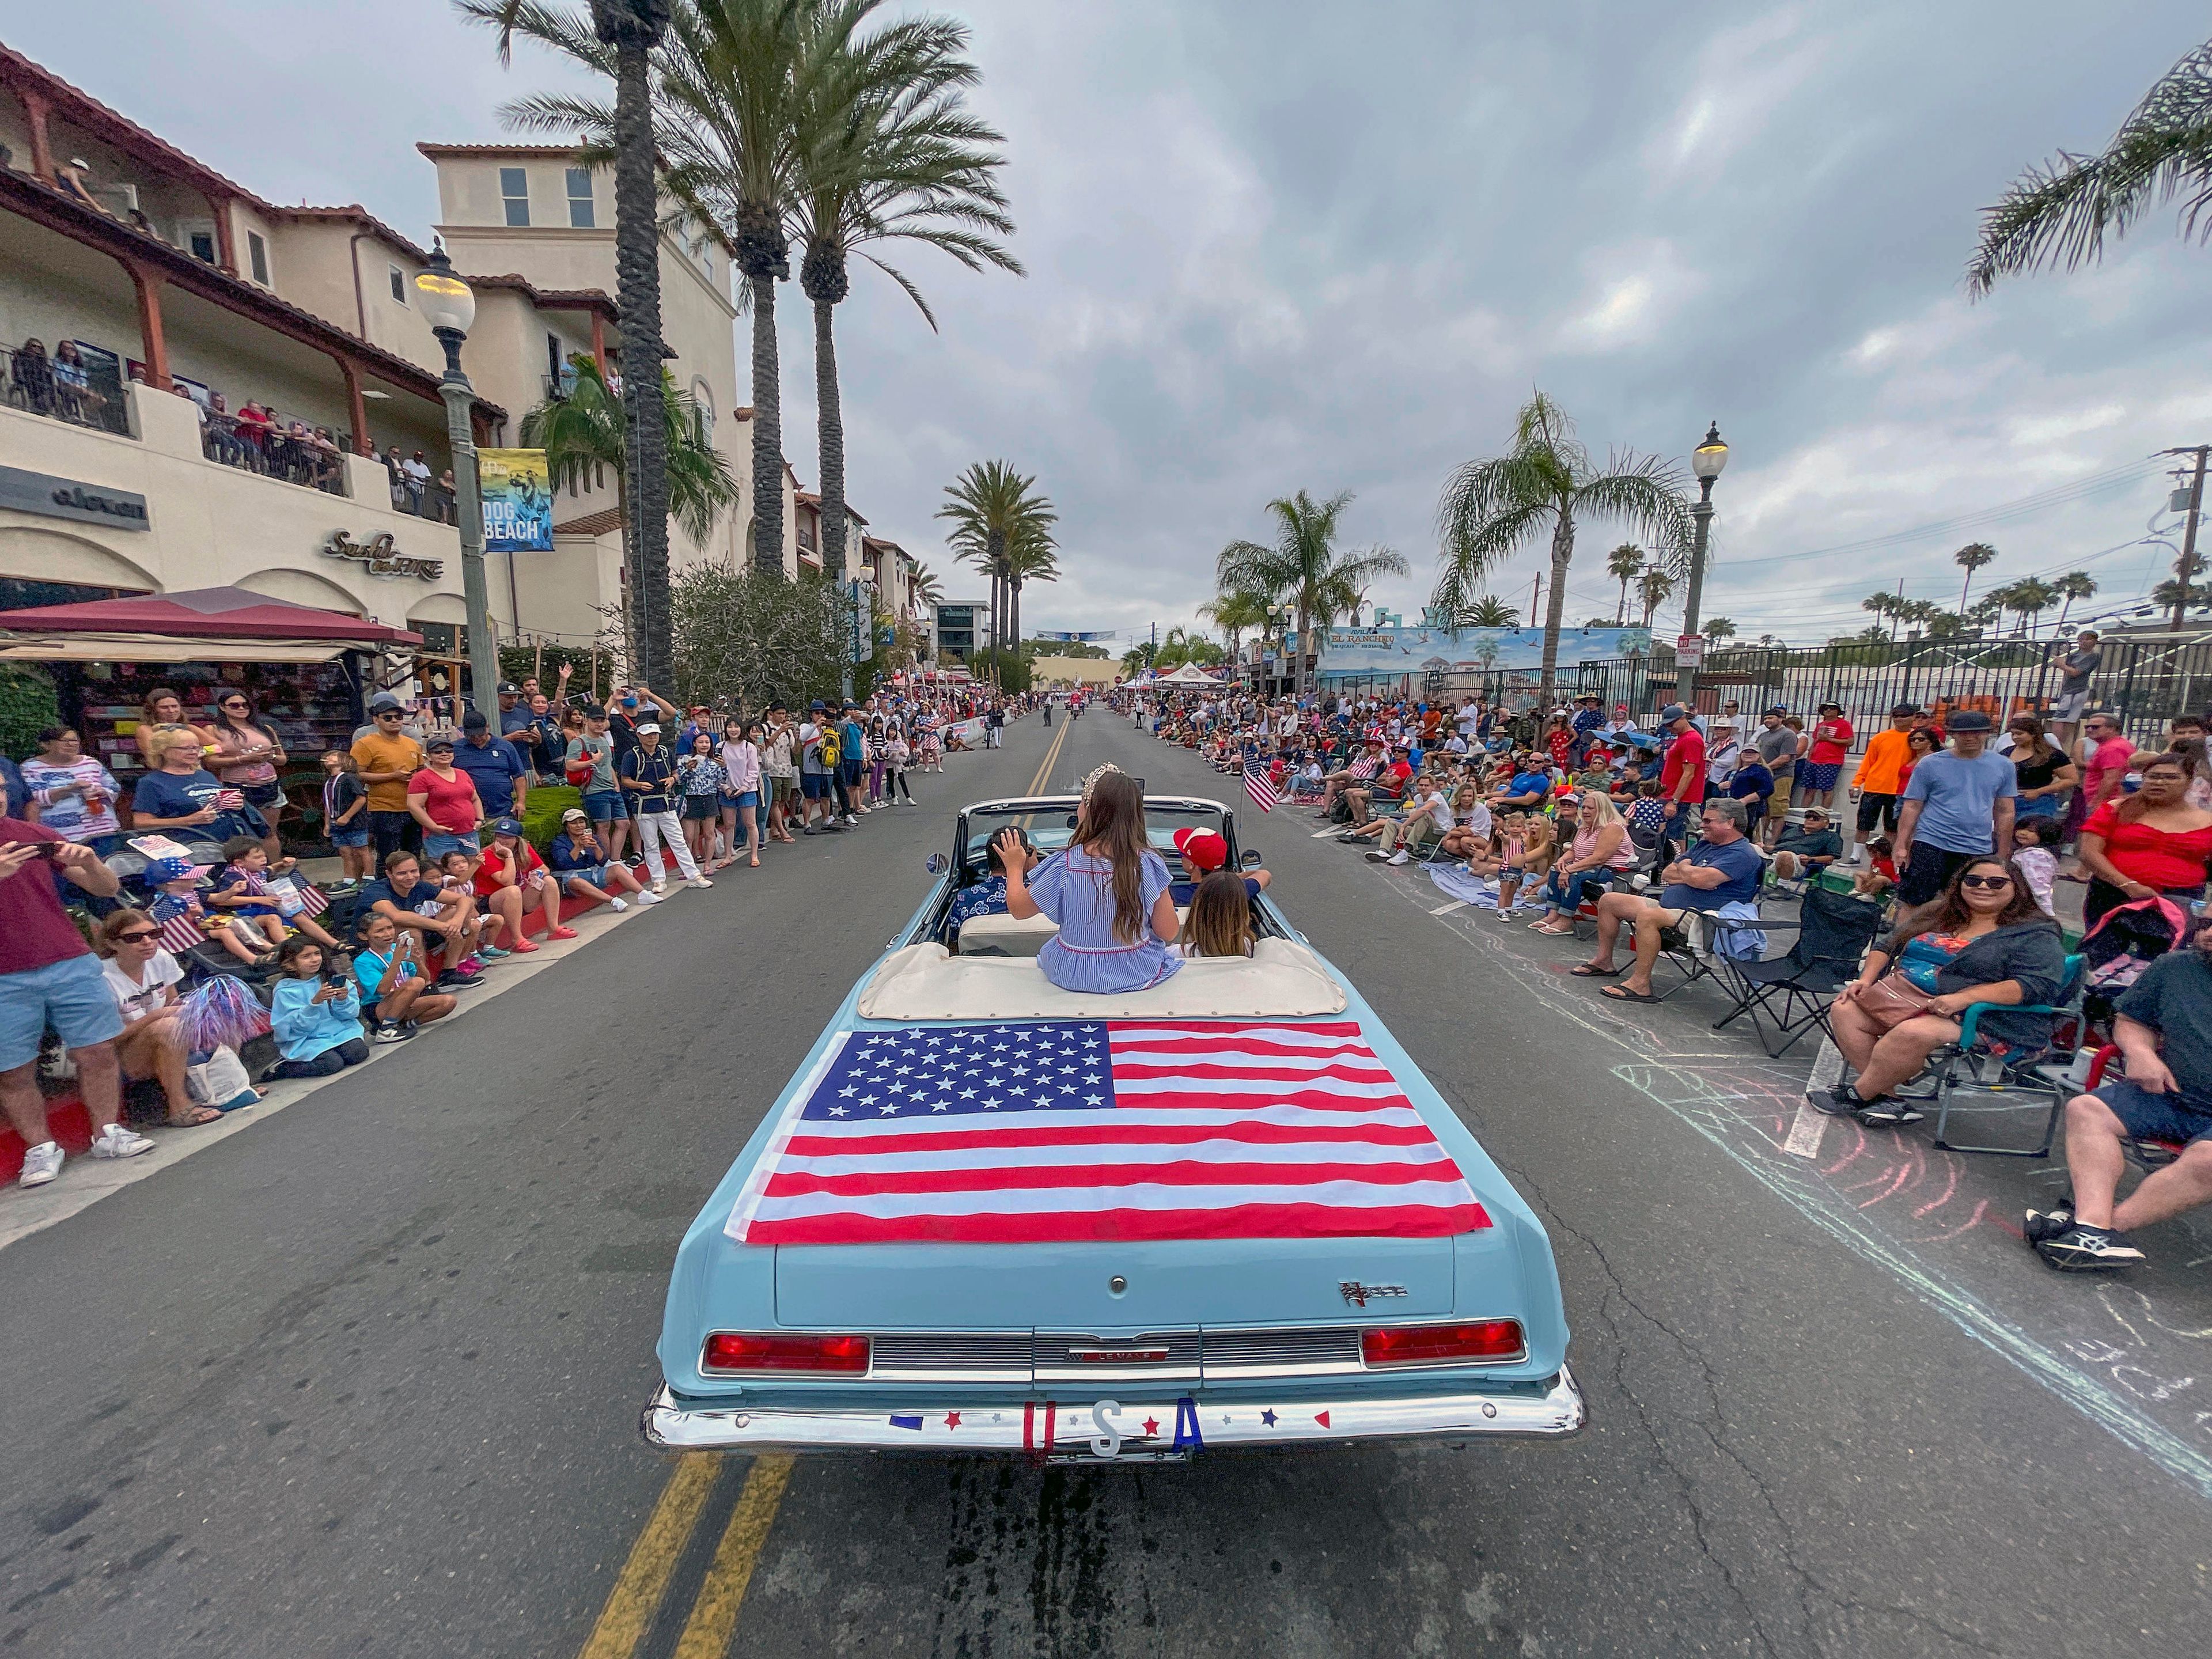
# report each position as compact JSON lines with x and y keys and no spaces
{"x":434,"y":150}
{"x":591,"y":524}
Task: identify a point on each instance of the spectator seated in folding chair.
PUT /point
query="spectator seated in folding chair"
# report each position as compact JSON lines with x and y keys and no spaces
{"x":1795,"y":990}
{"x":1974,"y":975}
{"x":1597,"y":857}
{"x":1427,"y":815}
{"x":1386,"y":788}
{"x":2162,"y":1025}
{"x":1722,"y":871}
{"x":1802,"y":853}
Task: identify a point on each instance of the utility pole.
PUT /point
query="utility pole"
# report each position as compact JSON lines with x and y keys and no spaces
{"x":2187,"y":567}
{"x":1534,"y":594}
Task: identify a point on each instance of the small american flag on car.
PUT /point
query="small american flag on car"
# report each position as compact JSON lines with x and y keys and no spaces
{"x":1108,"y":1130}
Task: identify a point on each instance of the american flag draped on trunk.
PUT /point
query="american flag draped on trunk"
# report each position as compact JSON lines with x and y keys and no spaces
{"x":1110,"y":1129}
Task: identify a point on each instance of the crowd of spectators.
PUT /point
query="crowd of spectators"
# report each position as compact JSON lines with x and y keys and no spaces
{"x":439,"y":881}
{"x":1666,"y":834}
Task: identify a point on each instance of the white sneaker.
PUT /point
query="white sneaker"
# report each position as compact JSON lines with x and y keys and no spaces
{"x":41,"y":1163}
{"x":1401,"y":856}
{"x":617,"y":904}
{"x":652,"y":897}
{"x":116,"y":1141}
{"x":850,"y":819}
{"x":698,"y":881}
{"x":660,"y":884}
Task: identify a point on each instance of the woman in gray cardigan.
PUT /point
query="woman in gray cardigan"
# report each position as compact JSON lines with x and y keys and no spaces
{"x":1984,"y":940}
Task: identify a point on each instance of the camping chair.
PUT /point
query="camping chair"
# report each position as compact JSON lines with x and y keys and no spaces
{"x":1957,"y":1065}
{"x":1794,"y":991}
{"x":2148,"y":1154}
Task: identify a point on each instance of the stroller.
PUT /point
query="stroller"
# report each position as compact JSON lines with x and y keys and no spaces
{"x":2126,"y":940}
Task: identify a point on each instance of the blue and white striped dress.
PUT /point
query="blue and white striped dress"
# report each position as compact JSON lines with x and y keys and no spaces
{"x":1076,"y":889}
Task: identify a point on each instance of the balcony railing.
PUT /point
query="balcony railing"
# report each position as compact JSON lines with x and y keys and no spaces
{"x":291,"y":453}
{"x":33,"y":380}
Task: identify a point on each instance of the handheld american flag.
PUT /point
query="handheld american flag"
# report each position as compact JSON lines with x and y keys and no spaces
{"x":1110,"y":1129}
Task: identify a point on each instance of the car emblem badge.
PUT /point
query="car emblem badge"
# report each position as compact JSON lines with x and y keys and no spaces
{"x":1358,"y":1295}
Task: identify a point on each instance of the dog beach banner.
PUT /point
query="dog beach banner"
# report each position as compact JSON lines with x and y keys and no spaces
{"x":517,"y":486}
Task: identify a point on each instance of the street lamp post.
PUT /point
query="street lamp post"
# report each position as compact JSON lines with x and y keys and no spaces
{"x":449,"y":308}
{"x":1706,"y":460}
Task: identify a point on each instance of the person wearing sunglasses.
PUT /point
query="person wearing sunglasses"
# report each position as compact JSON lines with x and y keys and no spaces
{"x":143,"y":978}
{"x":252,"y":753}
{"x":1984,"y":940}
{"x":387,"y":758}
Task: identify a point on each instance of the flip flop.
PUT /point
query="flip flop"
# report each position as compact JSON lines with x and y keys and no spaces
{"x":1622,"y":994}
{"x":198,"y":1116}
{"x":1590,"y":971}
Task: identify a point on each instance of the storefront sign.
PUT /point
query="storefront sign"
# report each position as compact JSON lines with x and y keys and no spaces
{"x":517,"y":488}
{"x":379,"y":554}
{"x":65,"y":498}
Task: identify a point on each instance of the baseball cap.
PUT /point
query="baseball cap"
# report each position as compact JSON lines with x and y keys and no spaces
{"x":382,"y":701}
{"x":1969,"y":720}
{"x":1823,"y":707}
{"x":575,"y":815}
{"x":509,"y":827}
{"x":818,"y":704}
{"x":1779,"y":709}
{"x":509,"y":688}
{"x":1201,"y":849}
{"x":651,"y":726}
{"x":163,"y":871}
{"x":1903,"y":711}
{"x":474,"y":721}
{"x":436,"y":744}
{"x":1673,"y":712}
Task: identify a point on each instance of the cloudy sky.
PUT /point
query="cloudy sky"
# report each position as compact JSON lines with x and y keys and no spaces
{"x":1275,"y":246}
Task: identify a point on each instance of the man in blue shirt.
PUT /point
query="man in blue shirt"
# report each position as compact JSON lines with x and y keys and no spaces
{"x":495,"y":765}
{"x":1724,"y":868}
{"x":1957,"y":806}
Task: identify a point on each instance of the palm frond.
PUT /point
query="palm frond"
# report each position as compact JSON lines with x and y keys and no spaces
{"x":1644,"y":492}
{"x":2056,"y":215}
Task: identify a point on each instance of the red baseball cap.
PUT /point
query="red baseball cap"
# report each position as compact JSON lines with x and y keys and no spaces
{"x":1201,"y":849}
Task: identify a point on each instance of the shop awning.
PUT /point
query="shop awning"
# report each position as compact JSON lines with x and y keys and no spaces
{"x":155,"y":647}
{"x":218,"y":619}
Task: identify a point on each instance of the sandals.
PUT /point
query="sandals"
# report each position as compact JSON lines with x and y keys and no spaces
{"x":1622,"y":994}
{"x":1591,"y":970}
{"x":195,"y":1118}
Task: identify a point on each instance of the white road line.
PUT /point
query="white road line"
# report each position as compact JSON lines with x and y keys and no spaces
{"x":1446,"y":910}
{"x":1806,"y":1131}
{"x":1332,"y":829}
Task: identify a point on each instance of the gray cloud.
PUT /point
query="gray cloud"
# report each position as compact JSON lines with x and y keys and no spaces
{"x":1275,"y":247}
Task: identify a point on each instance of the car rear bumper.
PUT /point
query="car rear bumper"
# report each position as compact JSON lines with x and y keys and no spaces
{"x":1108,"y":1430}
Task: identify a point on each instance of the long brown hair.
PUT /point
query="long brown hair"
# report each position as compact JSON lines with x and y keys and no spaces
{"x":2039,"y":746}
{"x":1221,"y":916}
{"x":2131,"y":807}
{"x":1112,"y":826}
{"x":1950,"y":910}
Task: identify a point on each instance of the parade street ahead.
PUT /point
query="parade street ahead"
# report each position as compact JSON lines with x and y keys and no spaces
{"x":364,"y":1380}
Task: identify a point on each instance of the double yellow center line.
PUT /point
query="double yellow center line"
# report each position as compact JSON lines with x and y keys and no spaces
{"x":634,"y":1602}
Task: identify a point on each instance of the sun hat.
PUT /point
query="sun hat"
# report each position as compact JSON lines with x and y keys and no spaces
{"x":575,"y":815}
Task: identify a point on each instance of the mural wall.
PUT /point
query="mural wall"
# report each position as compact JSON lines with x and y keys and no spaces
{"x":1398,"y":649}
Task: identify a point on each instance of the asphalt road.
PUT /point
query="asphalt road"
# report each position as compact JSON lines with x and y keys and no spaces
{"x":363,"y":1380}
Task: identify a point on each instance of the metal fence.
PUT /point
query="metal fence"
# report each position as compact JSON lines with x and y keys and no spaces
{"x":2145,"y":678}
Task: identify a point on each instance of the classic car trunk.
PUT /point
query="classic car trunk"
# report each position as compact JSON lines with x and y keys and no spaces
{"x":1072,"y":1287}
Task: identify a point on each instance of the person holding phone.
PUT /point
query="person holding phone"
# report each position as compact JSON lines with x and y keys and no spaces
{"x":315,"y":1011}
{"x":394,"y":992}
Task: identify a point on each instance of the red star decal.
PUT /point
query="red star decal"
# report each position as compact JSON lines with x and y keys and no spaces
{"x":952,"y":1419}
{"x":1322,"y":1418}
{"x":1152,"y":1425}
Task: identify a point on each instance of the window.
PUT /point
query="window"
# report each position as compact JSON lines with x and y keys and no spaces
{"x":579,"y":198}
{"x":559,"y":382}
{"x":199,"y":242}
{"x":398,"y":283}
{"x":257,"y":254}
{"x":702,"y":400}
{"x":515,"y":191}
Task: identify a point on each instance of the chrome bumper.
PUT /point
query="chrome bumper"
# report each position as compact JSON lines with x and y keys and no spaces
{"x":1108,"y":1431}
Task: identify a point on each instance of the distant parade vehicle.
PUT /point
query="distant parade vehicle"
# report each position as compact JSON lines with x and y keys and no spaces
{"x":990,"y":1215}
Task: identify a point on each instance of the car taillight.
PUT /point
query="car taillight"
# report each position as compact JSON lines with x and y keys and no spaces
{"x":784,"y":1351}
{"x":1479,"y":1342}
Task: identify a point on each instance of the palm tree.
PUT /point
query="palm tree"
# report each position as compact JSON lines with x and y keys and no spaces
{"x":1489,"y":611}
{"x":2030,"y":598}
{"x":1301,"y":568}
{"x":2074,"y":585}
{"x":889,"y":152}
{"x":1492,"y":508}
{"x":1883,"y":605}
{"x":1946,"y":625}
{"x":993,"y":509}
{"x":1970,"y":558}
{"x":1138,"y":657}
{"x":586,"y":428}
{"x":1653,"y":589}
{"x":926,"y":589}
{"x":1623,"y":564}
{"x":2056,"y":215}
{"x":1719,"y":628}
{"x":1990,"y":608}
{"x":619,"y":40}
{"x":1236,"y":613}
{"x":1028,"y":559}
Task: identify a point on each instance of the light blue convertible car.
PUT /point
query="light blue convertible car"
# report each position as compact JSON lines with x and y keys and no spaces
{"x":991,"y":1216}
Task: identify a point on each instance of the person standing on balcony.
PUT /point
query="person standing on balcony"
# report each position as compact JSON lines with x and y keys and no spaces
{"x":415,"y":474}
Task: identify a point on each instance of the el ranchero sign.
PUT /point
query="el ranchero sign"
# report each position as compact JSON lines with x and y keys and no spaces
{"x":379,"y":554}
